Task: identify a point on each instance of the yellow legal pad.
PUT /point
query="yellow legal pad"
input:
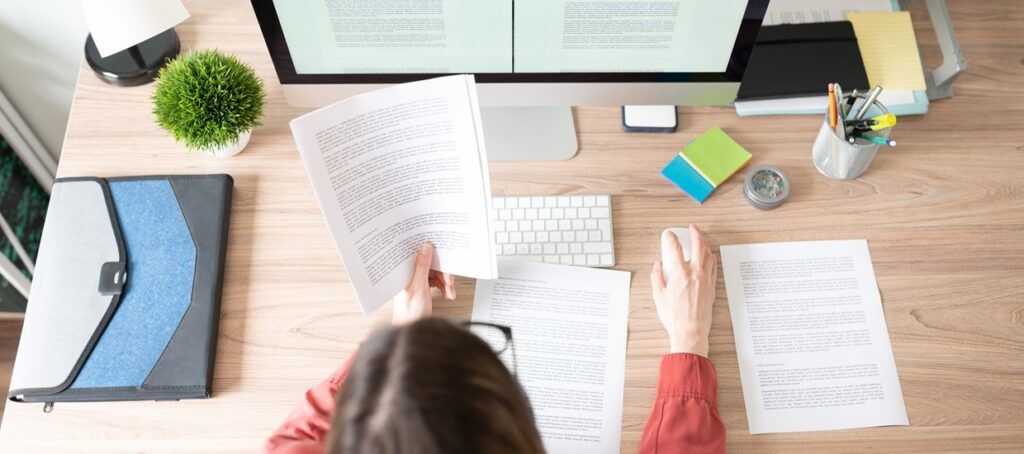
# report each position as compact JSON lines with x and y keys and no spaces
{"x":889,"y":49}
{"x":715,"y":156}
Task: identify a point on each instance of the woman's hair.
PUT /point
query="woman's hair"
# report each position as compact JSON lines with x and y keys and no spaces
{"x":431,"y":387}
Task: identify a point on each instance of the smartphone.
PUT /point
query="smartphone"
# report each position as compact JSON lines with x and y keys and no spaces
{"x":649,"y":118}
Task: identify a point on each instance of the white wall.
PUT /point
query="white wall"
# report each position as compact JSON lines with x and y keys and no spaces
{"x":41,"y":48}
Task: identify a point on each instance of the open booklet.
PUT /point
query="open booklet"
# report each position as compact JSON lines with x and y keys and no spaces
{"x":398,"y":167}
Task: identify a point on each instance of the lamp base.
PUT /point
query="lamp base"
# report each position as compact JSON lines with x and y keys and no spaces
{"x":135,"y":65}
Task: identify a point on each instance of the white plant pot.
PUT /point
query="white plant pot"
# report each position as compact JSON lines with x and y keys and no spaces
{"x":232,"y":149}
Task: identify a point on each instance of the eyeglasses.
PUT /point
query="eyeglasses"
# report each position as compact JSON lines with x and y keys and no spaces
{"x":499,"y":338}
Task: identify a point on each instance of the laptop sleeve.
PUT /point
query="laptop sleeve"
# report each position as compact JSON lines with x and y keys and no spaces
{"x":125,"y":299}
{"x":801,"y":60}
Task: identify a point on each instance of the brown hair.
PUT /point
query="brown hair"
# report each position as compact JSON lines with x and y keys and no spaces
{"x":431,"y":387}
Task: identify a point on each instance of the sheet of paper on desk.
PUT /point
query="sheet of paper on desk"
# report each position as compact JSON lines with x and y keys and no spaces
{"x":810,"y":11}
{"x":811,"y":338}
{"x":569,"y":330}
{"x":889,"y":48}
{"x":397,"y":167}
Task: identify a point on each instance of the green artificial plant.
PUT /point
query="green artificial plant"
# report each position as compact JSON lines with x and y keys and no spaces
{"x":205,"y":99}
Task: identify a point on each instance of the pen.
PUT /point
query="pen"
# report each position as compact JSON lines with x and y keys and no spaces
{"x":872,"y":96}
{"x":891,"y":143}
{"x":831,"y":106}
{"x":851,"y":101}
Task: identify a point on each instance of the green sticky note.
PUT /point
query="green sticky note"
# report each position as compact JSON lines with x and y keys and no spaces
{"x":715,"y":156}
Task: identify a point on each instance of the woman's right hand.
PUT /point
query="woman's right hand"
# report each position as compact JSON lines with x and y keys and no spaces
{"x":685,"y":300}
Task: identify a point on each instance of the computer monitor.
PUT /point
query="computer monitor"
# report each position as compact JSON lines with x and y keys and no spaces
{"x":532,"y":58}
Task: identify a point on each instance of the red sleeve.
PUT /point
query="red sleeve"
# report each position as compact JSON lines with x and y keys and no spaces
{"x":685,"y":414}
{"x":305,"y":429}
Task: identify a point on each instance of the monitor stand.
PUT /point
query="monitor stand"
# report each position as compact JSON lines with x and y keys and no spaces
{"x":529,"y":133}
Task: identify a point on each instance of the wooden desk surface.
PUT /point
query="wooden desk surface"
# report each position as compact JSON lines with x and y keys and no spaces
{"x":943,"y":214}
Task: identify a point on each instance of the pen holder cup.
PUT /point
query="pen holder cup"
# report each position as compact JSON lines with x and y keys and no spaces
{"x":839,"y":159}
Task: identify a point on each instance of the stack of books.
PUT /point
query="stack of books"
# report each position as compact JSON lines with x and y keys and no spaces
{"x":706,"y":163}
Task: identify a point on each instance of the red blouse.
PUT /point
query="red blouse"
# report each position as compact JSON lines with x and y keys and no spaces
{"x":684,"y":418}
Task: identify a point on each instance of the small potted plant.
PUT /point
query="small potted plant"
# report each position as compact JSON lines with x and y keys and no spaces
{"x":209,"y":102}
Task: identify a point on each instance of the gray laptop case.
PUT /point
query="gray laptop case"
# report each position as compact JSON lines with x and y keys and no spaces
{"x":125,"y":298}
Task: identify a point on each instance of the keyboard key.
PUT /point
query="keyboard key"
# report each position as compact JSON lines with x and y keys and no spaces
{"x":576,"y":248}
{"x":538,"y":225}
{"x":524,"y":202}
{"x":603,"y":201}
{"x":549,"y":248}
{"x":595,"y":235}
{"x":542,"y":235}
{"x":606,"y":234}
{"x":593,"y":260}
{"x":512,"y":226}
{"x":570,"y":213}
{"x":536,"y":202}
{"x":577,"y":224}
{"x":525,"y":226}
{"x":568,"y":237}
{"x":551,"y":259}
{"x":589,"y":201}
{"x":551,"y":225}
{"x":564,"y":224}
{"x":597,"y":248}
{"x":529,"y":237}
{"x":499,"y":226}
{"x":563,"y":201}
{"x":511,"y":202}
{"x":600,"y":212}
{"x":536,"y":249}
{"x":563,"y":248}
{"x":515,"y":237}
{"x":556,"y":236}
{"x":522,"y":249}
{"x":591,"y":224}
{"x":604,"y":223}
{"x":550,"y":202}
{"x":606,"y":260}
{"x":501,"y":237}
{"x":576,"y":201}
{"x":531,"y":214}
{"x":558,"y":213}
{"x":579,"y":259}
{"x":544,"y":213}
{"x":504,"y":215}
{"x":565,"y":259}
{"x":518,"y":214}
{"x":583,"y":213}
{"x":508,"y":249}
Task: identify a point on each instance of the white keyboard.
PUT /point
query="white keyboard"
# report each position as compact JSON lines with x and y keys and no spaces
{"x":570,"y":230}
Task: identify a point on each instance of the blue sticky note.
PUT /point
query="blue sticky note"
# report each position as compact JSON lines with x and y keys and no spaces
{"x":679,"y":172}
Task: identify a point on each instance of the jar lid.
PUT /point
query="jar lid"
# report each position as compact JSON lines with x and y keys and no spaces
{"x":766,"y":187}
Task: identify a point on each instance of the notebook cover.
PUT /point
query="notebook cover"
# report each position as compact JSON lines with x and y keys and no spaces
{"x":160,"y":341}
{"x":801,"y":60}
{"x":715,"y":156}
{"x":684,"y":177}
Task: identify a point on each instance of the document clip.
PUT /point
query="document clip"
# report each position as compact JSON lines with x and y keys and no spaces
{"x":112,"y":278}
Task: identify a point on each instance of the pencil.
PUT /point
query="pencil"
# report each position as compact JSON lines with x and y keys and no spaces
{"x":831,"y":106}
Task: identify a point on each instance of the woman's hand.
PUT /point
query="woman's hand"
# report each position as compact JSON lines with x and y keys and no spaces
{"x":415,"y":301}
{"x":684,"y":302}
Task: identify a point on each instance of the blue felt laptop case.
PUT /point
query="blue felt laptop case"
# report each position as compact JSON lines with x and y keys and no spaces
{"x":125,"y":299}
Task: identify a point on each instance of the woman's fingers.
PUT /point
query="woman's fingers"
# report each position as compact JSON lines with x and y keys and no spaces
{"x":698,"y":248}
{"x":421,"y":271}
{"x":657,"y":277}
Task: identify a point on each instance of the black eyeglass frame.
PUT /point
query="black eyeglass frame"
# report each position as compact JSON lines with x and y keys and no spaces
{"x":506,"y":331}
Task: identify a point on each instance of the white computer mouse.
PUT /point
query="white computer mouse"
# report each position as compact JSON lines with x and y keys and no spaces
{"x":683,"y":235}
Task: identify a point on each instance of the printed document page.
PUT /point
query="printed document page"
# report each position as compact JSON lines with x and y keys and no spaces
{"x":811,"y":11}
{"x":397,"y":36}
{"x":811,"y":339}
{"x":569,"y":335}
{"x":625,"y":36}
{"x":398,"y":167}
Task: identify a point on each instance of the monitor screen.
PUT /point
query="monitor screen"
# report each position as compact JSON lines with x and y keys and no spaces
{"x":330,"y":41}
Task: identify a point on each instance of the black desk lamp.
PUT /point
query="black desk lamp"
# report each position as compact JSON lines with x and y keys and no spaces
{"x":130,"y":40}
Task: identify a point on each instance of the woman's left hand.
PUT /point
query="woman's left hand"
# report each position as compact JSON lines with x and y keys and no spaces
{"x":415,"y":301}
